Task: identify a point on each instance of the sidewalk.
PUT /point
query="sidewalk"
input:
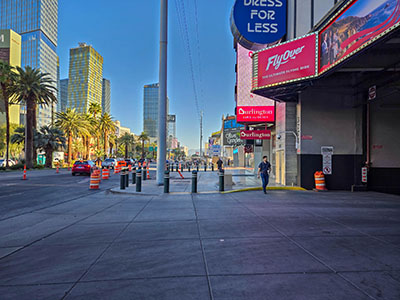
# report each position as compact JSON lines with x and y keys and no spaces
{"x":285,"y":245}
{"x":207,"y":182}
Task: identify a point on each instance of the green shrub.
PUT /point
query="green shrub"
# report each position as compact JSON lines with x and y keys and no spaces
{"x":18,"y":166}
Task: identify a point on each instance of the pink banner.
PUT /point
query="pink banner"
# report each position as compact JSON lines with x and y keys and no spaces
{"x":255,"y":134}
{"x":290,"y":61}
{"x":255,"y":114}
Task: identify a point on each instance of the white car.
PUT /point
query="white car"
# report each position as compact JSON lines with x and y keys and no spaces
{"x":3,"y":162}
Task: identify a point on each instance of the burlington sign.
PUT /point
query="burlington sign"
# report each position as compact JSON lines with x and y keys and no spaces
{"x":258,"y":22}
{"x":255,"y":134}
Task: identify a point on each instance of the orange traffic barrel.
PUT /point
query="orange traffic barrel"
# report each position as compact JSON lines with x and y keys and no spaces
{"x":130,"y":168}
{"x":320,"y":181}
{"x":95,"y":180}
{"x":106,"y":174}
{"x":24,"y":176}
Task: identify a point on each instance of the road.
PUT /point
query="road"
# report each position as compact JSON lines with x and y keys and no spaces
{"x":43,"y":189}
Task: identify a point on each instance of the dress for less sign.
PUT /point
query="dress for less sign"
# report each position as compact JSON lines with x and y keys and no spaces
{"x":258,"y":21}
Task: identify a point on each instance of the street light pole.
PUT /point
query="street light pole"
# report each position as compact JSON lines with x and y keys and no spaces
{"x":162,"y":103}
{"x":201,"y":133}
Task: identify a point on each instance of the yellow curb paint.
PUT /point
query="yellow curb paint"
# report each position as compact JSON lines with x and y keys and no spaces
{"x":273,"y":188}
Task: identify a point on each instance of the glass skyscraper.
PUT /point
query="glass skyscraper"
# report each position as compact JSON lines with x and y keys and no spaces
{"x":85,"y":78}
{"x":106,"y":96}
{"x":36,"y":21}
{"x":63,"y":100}
{"x":150,"y":109}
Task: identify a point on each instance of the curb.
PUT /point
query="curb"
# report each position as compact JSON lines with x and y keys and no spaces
{"x":273,"y":188}
{"x":118,"y":191}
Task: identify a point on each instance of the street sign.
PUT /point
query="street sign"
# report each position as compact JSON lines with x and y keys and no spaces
{"x":372,"y":93}
{"x":327,"y":152}
{"x":364,"y":175}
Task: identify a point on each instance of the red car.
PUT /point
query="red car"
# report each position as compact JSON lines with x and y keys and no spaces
{"x":83,"y":167}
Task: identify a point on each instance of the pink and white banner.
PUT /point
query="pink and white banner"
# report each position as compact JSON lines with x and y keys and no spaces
{"x":255,"y":114}
{"x":255,"y":134}
{"x":287,"y":62}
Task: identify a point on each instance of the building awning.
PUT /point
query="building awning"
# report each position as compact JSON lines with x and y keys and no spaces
{"x":369,"y":46}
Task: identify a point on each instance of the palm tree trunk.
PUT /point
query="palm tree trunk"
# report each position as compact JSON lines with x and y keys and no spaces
{"x":5,"y":97}
{"x":69,"y":147}
{"x":105,"y":145}
{"x":126,"y":150}
{"x":49,"y":157}
{"x":30,"y":115}
{"x":142,"y":149}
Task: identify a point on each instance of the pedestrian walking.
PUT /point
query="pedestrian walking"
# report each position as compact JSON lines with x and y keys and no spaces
{"x":219,"y":164}
{"x":264,"y":168}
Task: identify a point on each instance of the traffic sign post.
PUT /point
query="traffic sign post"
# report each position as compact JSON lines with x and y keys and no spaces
{"x":327,"y":152}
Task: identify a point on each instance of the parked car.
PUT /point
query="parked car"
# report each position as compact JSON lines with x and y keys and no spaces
{"x":109,"y":163}
{"x":83,"y":167}
{"x":3,"y":162}
{"x":130,"y":162}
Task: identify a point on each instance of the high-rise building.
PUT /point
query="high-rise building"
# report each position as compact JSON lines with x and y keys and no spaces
{"x":36,"y":21}
{"x":150,"y":109}
{"x":106,"y":96}
{"x":63,"y":100}
{"x":10,"y":51}
{"x":171,"y":126}
{"x":85,"y":78}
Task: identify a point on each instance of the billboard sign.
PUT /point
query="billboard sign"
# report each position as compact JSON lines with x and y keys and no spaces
{"x":216,"y":150}
{"x":231,"y":137}
{"x":360,"y":23}
{"x":250,"y":107}
{"x":286,"y":63}
{"x":255,"y":134}
{"x":258,"y":22}
{"x":229,"y":124}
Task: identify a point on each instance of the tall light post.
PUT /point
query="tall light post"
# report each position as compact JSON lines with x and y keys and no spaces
{"x":162,"y":103}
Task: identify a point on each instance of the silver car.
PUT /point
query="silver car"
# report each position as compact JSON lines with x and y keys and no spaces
{"x":3,"y":162}
{"x":109,"y":163}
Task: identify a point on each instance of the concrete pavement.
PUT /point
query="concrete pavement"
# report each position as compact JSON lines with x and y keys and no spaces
{"x":286,"y":245}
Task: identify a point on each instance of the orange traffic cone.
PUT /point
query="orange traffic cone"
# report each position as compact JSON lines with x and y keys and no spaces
{"x":24,"y":176}
{"x":58,"y":169}
{"x":148,"y":173}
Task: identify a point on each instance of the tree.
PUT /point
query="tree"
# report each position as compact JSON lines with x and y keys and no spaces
{"x":92,"y":131}
{"x":50,"y":139}
{"x":106,"y":126}
{"x":7,"y":81}
{"x":143,"y":137}
{"x":19,"y":136}
{"x":73,"y":125}
{"x":126,"y":140}
{"x":95,"y":110}
{"x":32,"y":88}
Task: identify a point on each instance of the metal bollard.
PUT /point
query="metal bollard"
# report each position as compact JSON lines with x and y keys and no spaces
{"x":182,"y":167}
{"x":122,"y":180}
{"x":134,"y":175}
{"x":221,"y":180}
{"x":139,"y":180}
{"x":205,"y":167}
{"x":166,"y":182}
{"x":144,"y":174}
{"x":188,"y":168}
{"x":194,"y":182}
{"x":177,"y":167}
{"x":126,"y":178}
{"x":197,"y":166}
{"x":212,"y":167}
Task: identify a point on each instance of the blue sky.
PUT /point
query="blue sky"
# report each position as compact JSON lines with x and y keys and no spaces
{"x":126,"y":34}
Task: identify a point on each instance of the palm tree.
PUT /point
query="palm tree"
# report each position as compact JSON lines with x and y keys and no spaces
{"x":95,"y":109}
{"x":73,"y":125}
{"x":143,"y":137}
{"x":92,"y":131}
{"x":126,"y":140}
{"x":50,"y":139}
{"x":7,"y":80}
{"x":32,"y":88}
{"x":106,"y":126}
{"x":18,"y":136}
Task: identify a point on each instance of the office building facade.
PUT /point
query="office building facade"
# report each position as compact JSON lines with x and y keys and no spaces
{"x":106,"y":96}
{"x":10,"y":51}
{"x":150,"y":109}
{"x":37,"y":23}
{"x":63,"y":91}
{"x":85,"y":78}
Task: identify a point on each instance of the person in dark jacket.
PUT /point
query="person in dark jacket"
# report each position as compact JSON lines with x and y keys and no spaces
{"x":264,"y":168}
{"x":219,"y":164}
